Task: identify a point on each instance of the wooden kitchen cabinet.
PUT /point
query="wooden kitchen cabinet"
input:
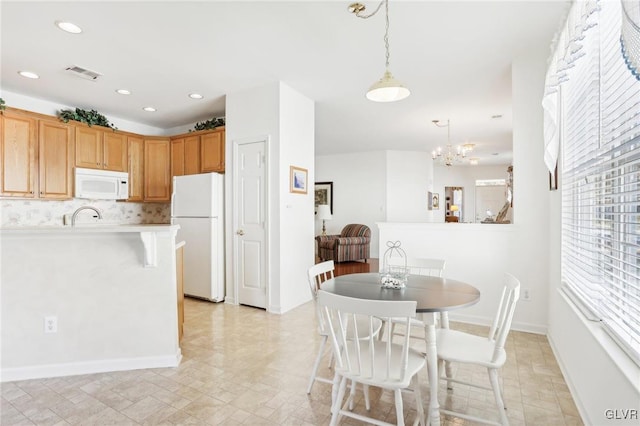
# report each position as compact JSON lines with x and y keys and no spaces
{"x":18,"y":155}
{"x":177,"y":157}
{"x":115,"y":151}
{"x":55,"y":164}
{"x":180,"y":287}
{"x":100,"y":149}
{"x":185,"y":155}
{"x":157,"y":169}
{"x":201,"y":152}
{"x":136,"y":168}
{"x":212,"y":151}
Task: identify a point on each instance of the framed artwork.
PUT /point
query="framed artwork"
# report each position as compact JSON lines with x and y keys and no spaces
{"x":324,"y":194}
{"x":297,"y":180}
{"x":433,"y":201}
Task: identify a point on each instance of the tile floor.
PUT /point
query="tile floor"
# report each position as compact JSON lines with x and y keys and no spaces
{"x":253,"y":368}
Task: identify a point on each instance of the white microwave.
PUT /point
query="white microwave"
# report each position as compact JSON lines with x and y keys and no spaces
{"x":101,"y":184}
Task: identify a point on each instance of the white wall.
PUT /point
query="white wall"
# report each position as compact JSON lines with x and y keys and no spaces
{"x":109,"y":318}
{"x":359,"y":190}
{"x":409,"y":178}
{"x":272,"y":111}
{"x":42,"y":106}
{"x":297,"y":146}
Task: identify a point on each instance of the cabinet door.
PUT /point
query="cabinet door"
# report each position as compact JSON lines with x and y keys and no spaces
{"x":115,"y":151}
{"x":55,"y":160}
{"x":212,"y":152}
{"x":136,"y":169}
{"x":157,"y":168}
{"x":177,"y":157}
{"x":89,"y":147}
{"x":18,"y":144}
{"x":192,"y":155}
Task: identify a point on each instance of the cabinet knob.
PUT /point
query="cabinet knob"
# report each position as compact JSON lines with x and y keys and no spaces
{"x":97,"y":164}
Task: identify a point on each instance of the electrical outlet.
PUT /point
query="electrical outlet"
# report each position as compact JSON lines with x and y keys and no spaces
{"x":51,"y":324}
{"x":526,"y":294}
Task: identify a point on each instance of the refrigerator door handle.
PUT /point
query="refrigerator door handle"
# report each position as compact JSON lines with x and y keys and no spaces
{"x":173,"y":196}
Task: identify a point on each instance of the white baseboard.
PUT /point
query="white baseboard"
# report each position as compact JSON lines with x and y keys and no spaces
{"x":517,"y":326}
{"x":88,"y":367}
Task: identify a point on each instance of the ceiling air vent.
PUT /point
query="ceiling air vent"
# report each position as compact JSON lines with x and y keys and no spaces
{"x":84,"y":73}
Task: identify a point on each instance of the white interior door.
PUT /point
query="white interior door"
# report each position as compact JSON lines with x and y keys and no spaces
{"x":249,"y":223}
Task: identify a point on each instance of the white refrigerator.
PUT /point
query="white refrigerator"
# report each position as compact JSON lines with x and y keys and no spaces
{"x":197,"y":205}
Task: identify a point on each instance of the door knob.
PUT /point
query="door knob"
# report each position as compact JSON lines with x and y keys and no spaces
{"x":240,"y":232}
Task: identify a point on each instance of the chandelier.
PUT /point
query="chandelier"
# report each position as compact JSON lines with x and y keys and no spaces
{"x":450,"y":155}
{"x":387,"y":89}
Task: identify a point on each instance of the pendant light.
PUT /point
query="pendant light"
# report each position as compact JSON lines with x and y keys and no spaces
{"x":387,"y":89}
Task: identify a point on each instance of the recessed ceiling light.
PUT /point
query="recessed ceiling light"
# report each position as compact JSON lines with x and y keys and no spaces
{"x":496,"y":116}
{"x":123,"y":91}
{"x":28,"y":74}
{"x":68,"y":27}
{"x":495,"y":153}
{"x":149,"y":109}
{"x":195,"y":96}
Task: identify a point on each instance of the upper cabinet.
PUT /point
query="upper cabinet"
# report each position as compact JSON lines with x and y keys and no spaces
{"x":136,"y":168}
{"x":100,"y":149}
{"x":198,"y":152}
{"x":55,"y":150}
{"x":212,"y":151}
{"x":157,"y":165}
{"x":18,"y":147}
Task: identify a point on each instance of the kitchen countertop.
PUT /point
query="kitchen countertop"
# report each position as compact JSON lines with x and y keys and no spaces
{"x":91,"y":228}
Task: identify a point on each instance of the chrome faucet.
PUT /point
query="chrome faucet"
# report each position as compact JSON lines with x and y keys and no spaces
{"x":79,"y":209}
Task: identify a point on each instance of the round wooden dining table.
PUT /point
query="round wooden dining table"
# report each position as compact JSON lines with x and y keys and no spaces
{"x":432,"y":294}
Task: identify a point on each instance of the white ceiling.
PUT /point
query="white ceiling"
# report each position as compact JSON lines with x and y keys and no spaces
{"x":454,"y":56}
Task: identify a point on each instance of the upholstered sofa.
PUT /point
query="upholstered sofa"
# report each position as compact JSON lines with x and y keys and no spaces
{"x":352,"y":244}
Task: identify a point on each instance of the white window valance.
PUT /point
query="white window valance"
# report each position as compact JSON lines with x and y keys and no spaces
{"x":567,"y":48}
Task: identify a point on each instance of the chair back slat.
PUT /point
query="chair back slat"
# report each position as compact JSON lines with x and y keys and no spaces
{"x":504,"y":316}
{"x":316,"y":275}
{"x":357,"y":358}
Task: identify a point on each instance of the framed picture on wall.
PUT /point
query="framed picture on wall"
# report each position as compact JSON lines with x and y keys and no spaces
{"x":433,"y":201}
{"x":324,"y":194}
{"x":298,"y":180}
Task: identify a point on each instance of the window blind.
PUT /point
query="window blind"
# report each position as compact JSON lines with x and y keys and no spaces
{"x":601,"y":181}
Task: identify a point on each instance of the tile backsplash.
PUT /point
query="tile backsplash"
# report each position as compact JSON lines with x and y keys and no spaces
{"x":20,"y":212}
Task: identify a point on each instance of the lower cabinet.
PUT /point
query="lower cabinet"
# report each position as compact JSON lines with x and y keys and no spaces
{"x":180,"y":287}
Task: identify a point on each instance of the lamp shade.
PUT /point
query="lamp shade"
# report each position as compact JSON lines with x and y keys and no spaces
{"x":387,"y":89}
{"x":324,"y":212}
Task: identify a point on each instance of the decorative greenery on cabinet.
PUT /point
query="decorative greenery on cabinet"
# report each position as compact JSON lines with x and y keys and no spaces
{"x":210,"y":124}
{"x":82,"y":115}
{"x":2,"y":104}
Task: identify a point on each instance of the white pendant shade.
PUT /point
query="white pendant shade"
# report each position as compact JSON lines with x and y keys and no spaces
{"x":387,"y":89}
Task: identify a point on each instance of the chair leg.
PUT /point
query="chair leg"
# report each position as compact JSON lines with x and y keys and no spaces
{"x":335,"y":415}
{"x":352,"y":394}
{"x":316,"y":364}
{"x":399,"y":410}
{"x":493,"y":377}
{"x":418,"y":395}
{"x":367,"y":402}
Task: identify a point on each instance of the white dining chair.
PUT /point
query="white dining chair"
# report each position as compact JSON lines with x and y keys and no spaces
{"x":317,"y":274}
{"x":419,"y":266}
{"x":371,"y":362}
{"x":459,"y":347}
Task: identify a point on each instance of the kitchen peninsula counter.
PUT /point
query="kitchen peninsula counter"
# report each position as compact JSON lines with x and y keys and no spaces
{"x":110,"y":288}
